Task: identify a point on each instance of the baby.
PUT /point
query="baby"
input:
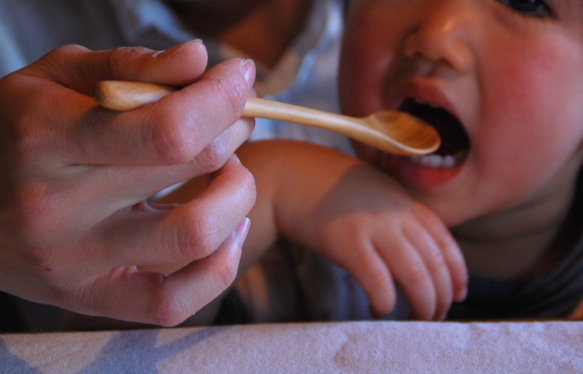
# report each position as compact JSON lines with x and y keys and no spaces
{"x":502,"y":81}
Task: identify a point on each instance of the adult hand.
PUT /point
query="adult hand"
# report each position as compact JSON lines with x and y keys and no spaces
{"x":76,"y":223}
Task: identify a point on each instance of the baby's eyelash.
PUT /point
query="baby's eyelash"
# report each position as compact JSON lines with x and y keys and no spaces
{"x":529,"y":8}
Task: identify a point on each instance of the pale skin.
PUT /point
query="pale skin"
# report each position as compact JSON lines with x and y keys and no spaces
{"x":493,"y":65}
{"x":76,"y":221}
{"x":78,"y":233}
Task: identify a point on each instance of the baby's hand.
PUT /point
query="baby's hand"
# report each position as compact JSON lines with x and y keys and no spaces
{"x":368,"y":224}
{"x":383,"y":240}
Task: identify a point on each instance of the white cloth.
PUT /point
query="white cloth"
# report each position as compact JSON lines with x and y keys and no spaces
{"x":355,"y":347}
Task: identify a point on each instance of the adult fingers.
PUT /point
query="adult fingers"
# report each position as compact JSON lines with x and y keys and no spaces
{"x":183,"y":233}
{"x":116,"y":187}
{"x":72,"y":129}
{"x":154,"y":299}
{"x":81,"y":68}
{"x":173,"y":130}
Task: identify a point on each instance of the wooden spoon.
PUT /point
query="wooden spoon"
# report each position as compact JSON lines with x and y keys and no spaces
{"x":387,"y":130}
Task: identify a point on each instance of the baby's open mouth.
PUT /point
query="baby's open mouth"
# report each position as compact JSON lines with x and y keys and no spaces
{"x":455,"y":142}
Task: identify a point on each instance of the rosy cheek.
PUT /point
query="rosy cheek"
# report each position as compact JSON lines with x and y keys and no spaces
{"x":520,"y":120}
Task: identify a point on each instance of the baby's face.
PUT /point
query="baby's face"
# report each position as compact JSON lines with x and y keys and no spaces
{"x":501,"y":80}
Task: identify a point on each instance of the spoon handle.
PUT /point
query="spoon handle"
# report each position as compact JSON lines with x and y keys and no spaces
{"x":122,"y":96}
{"x":126,"y":95}
{"x":262,"y":108}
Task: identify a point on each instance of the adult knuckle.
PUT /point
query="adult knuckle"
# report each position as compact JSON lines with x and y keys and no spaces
{"x":58,"y":53}
{"x":247,"y":183}
{"x":28,"y":140}
{"x":118,"y":58}
{"x":173,"y":138}
{"x":211,"y":158}
{"x":41,"y":261}
{"x":231,"y":94}
{"x":168,"y":310}
{"x":195,"y":236}
{"x":225,"y":273}
{"x":20,"y":131}
{"x":33,"y":209}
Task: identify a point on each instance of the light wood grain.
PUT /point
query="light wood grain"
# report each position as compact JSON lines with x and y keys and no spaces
{"x":390,"y":131}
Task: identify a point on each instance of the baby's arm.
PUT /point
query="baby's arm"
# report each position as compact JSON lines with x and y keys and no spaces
{"x":357,"y":217}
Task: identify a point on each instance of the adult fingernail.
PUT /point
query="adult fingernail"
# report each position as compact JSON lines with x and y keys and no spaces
{"x":242,"y":230}
{"x":248,"y":71}
{"x":176,"y":49}
{"x":236,"y":159}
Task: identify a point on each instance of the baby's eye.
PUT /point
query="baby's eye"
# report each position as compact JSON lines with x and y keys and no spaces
{"x":533,"y":8}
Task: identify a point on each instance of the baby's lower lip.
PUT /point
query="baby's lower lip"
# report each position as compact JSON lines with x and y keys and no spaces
{"x":424,"y":172}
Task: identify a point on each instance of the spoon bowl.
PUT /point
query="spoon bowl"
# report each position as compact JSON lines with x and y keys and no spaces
{"x":390,"y":131}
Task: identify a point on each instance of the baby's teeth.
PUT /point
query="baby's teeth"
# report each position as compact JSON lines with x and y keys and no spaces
{"x":434,"y":161}
{"x":448,"y":161}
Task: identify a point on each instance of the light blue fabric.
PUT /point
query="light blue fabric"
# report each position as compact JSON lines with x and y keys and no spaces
{"x":30,"y":28}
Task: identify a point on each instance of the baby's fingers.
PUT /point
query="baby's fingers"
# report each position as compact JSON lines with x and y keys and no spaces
{"x":377,"y":270}
{"x":428,"y":265}
{"x":410,"y":271}
{"x":457,"y":267}
{"x":450,"y":253}
{"x":371,"y":272}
